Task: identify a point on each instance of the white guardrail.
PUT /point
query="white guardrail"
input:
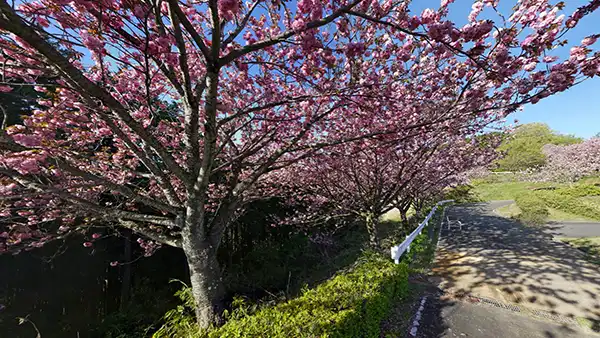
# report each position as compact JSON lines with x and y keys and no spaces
{"x":398,"y":250}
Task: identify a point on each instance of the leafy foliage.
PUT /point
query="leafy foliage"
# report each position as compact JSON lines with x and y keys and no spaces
{"x":351,"y":304}
{"x":180,"y":320}
{"x":523,"y":149}
{"x":463,"y":193}
{"x":533,"y":210}
{"x":564,"y":200}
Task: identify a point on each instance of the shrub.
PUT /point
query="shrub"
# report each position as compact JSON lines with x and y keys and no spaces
{"x":579,"y":190}
{"x":568,"y":203}
{"x":462,"y":194}
{"x":351,"y":304}
{"x":533,"y":209}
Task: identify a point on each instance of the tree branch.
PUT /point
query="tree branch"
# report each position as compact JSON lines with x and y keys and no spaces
{"x":282,"y":37}
{"x":174,"y":4}
{"x":11,"y":22}
{"x":162,"y":238}
{"x":86,"y":205}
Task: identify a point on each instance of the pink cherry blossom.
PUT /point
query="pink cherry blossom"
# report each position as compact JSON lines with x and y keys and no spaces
{"x":589,"y":41}
{"x":569,"y":163}
{"x":530,"y":66}
{"x":228,"y":8}
{"x":135,"y":133}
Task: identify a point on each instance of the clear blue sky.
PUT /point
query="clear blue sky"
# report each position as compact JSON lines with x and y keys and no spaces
{"x":575,"y":111}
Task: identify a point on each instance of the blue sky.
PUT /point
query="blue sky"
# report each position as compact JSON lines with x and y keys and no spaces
{"x":575,"y":111}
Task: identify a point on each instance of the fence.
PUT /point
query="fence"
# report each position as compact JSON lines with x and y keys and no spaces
{"x":403,"y":247}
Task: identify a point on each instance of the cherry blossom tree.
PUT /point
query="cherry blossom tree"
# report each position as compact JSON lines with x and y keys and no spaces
{"x":167,"y":117}
{"x":366,"y":180}
{"x":569,"y":163}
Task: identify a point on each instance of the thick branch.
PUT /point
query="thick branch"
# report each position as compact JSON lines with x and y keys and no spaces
{"x":191,"y":106}
{"x":11,"y":22}
{"x":189,"y":27}
{"x":106,"y":213}
{"x":282,"y":37}
{"x":162,"y":238}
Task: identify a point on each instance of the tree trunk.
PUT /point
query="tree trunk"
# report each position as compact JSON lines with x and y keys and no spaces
{"x":418,"y":205}
{"x":404,"y":219}
{"x":126,"y":281}
{"x":371,"y":223}
{"x":206,"y":279}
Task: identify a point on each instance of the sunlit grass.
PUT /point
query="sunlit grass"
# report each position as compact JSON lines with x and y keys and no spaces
{"x":394,"y":215}
{"x":507,"y":190}
{"x":592,"y":199}
{"x":513,"y":211}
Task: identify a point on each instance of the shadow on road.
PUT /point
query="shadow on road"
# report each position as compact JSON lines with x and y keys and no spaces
{"x":500,"y":259}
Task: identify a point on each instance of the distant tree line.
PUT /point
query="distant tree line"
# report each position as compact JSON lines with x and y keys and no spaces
{"x":522,"y":149}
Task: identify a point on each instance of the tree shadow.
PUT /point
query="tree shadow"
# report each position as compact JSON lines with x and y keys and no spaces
{"x":501,"y":259}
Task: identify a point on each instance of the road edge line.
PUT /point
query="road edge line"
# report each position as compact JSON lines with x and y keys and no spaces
{"x":415,"y":325}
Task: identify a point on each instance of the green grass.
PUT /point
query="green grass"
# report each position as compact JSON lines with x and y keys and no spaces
{"x":399,"y":320}
{"x":506,"y":190}
{"x":589,"y":245}
{"x":351,"y":304}
{"x":423,"y":251}
{"x":590,"y":180}
{"x":513,"y":211}
{"x":591,"y":199}
{"x":567,"y":203}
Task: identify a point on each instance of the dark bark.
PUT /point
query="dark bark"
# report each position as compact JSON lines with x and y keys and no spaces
{"x":404,"y":218}
{"x":403,"y":207}
{"x":371,"y":222}
{"x":418,"y":205}
{"x":206,"y":280}
{"x":126,"y":278}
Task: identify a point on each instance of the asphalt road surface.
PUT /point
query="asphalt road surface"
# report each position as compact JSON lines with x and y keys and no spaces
{"x":574,"y":229}
{"x":531,"y":285}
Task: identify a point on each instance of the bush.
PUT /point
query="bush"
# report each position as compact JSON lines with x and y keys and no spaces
{"x":579,"y":190}
{"x":533,"y":209}
{"x":462,"y":194}
{"x":566,"y":202}
{"x":351,"y":304}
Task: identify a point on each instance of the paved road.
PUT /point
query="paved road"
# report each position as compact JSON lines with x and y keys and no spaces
{"x":575,"y":229}
{"x":497,"y":259}
{"x":450,"y":319}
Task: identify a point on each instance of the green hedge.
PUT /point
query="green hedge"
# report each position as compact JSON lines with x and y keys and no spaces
{"x":579,"y":190}
{"x":351,"y":304}
{"x":570,"y":204}
{"x":533,"y":209}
